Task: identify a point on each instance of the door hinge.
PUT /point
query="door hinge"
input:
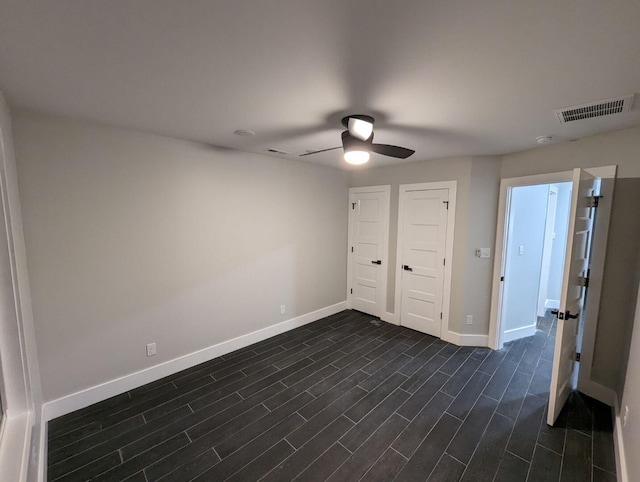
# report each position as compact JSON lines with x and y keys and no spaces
{"x":447,"y":203}
{"x":592,"y":201}
{"x":577,"y":357}
{"x":441,"y":315}
{"x":501,"y":278}
{"x":444,"y":261}
{"x":352,"y":249}
{"x":353,"y":205}
{"x":583,"y":281}
{"x":351,"y":290}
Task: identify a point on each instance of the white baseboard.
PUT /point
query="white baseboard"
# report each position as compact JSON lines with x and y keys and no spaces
{"x":618,"y":444}
{"x":390,"y":318}
{"x":552,"y":304}
{"x":42,"y":448}
{"x":97,"y":393}
{"x":462,"y":339}
{"x":517,"y":333}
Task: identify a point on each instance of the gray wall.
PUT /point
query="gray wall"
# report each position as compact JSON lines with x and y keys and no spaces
{"x":620,"y":284}
{"x":135,"y":238}
{"x":631,"y":398}
{"x":484,"y":192}
{"x":476,"y":211}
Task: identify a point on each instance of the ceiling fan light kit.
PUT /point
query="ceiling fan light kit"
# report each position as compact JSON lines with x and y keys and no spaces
{"x":360,"y":126}
{"x":356,"y":157}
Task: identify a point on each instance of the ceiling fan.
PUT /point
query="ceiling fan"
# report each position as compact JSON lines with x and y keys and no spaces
{"x":357,"y":142}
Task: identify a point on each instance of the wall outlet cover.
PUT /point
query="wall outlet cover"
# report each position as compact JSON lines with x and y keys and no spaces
{"x":151,"y":349}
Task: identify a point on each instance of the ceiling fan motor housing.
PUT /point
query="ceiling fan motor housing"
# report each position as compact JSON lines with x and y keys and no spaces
{"x":350,"y":143}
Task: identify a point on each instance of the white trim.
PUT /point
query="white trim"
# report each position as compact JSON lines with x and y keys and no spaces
{"x":43,"y":447}
{"x":552,"y":304}
{"x":547,"y":247}
{"x":618,"y":444}
{"x":386,"y":190}
{"x":97,"y":393}
{"x":390,"y":318}
{"x":20,"y":377}
{"x":517,"y":333}
{"x":462,"y":339}
{"x":451,"y":221}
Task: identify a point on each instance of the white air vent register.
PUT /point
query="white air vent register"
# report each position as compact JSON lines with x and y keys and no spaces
{"x":595,"y":109}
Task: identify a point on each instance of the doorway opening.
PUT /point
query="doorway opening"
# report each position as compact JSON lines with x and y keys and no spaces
{"x":577,"y":315}
{"x":536,"y":239}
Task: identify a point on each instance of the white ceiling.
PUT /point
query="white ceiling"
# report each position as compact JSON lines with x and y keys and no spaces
{"x":443,"y":77}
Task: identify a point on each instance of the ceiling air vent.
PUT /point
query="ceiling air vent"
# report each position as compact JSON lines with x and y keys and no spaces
{"x":276,"y":151}
{"x":595,"y":109}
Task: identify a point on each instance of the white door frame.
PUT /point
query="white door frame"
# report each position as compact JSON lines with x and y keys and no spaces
{"x":386,"y":189}
{"x":549,"y":233}
{"x":445,"y":334}
{"x":599,"y":247}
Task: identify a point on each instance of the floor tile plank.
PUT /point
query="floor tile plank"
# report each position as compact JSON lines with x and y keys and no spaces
{"x":344,"y":399}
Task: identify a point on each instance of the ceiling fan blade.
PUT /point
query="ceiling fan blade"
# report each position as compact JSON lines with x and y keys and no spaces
{"x":321,"y":150}
{"x":392,"y":151}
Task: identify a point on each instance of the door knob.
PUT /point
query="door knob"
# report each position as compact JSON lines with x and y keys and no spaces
{"x":407,"y":268}
{"x":376,"y":261}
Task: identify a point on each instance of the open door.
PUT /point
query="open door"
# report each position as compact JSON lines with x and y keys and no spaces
{"x":574,"y":281}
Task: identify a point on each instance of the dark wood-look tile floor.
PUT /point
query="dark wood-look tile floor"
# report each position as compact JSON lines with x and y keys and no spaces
{"x":343,"y":399}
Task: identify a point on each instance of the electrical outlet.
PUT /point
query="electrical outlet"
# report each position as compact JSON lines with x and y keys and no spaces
{"x":282,"y":309}
{"x":469,"y":319}
{"x":151,"y":349}
{"x":625,"y":417}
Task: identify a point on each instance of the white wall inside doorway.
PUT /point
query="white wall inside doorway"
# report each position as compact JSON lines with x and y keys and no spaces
{"x":527,"y":218}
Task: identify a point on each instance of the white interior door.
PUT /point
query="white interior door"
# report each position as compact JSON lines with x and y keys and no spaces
{"x":368,"y":236}
{"x":424,"y":235}
{"x":576,"y":265}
